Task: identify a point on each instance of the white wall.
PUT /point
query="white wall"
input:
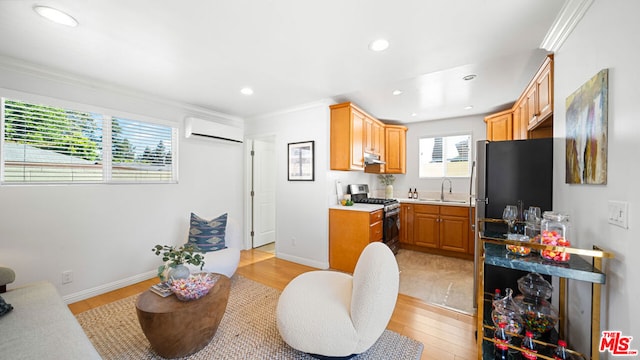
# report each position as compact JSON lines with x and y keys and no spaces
{"x":605,"y":38}
{"x":456,"y":126}
{"x":104,"y":233}
{"x":301,"y":206}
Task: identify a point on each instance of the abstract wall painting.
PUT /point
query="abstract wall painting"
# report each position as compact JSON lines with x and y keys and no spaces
{"x":586,"y":143}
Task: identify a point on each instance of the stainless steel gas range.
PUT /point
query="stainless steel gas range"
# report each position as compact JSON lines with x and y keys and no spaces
{"x":391,"y":207}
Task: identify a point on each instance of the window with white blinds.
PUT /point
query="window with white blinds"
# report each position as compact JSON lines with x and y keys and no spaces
{"x":48,"y":144}
{"x":445,"y":156}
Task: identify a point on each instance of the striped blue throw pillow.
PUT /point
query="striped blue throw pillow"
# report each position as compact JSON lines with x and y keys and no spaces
{"x":208,"y":235}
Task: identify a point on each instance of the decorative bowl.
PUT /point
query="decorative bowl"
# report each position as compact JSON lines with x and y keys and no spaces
{"x":538,"y":315}
{"x":194,"y":287}
{"x":518,"y":249}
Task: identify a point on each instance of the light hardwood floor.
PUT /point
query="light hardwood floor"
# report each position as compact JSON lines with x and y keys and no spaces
{"x":446,"y":334}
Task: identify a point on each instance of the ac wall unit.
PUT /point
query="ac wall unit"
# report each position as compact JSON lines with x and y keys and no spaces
{"x":195,"y":127}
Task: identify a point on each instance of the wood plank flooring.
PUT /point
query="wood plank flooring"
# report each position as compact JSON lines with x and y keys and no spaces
{"x":446,"y":334}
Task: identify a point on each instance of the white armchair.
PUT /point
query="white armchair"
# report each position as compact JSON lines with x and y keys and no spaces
{"x":224,"y":261}
{"x":334,"y":314}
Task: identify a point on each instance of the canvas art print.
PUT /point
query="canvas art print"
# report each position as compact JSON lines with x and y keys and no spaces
{"x":586,"y":151}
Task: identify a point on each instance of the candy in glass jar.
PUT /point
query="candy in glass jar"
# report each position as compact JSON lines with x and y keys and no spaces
{"x":554,"y":231}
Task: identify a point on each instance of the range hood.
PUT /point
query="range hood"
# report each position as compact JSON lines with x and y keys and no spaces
{"x":372,"y":159}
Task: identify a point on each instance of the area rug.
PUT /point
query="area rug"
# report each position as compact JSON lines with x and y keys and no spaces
{"x":247,"y":330}
{"x":436,"y":279}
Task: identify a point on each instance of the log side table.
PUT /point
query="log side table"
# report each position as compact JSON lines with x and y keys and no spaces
{"x":178,"y":328}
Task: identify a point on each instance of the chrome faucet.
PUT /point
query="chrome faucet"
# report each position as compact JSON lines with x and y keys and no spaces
{"x":442,"y":188}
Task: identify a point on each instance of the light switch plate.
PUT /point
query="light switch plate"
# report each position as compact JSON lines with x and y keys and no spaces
{"x":618,"y":213}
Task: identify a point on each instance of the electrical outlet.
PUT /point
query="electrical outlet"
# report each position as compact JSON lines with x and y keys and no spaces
{"x":67,"y":276}
{"x":618,"y":213}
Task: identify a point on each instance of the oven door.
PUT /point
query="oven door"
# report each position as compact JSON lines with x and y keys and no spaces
{"x":391,"y":229}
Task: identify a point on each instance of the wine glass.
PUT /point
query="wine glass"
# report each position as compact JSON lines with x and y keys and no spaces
{"x":509,"y":215}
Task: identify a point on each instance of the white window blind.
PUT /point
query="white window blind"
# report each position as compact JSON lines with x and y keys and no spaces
{"x":445,"y":156}
{"x":47,"y":144}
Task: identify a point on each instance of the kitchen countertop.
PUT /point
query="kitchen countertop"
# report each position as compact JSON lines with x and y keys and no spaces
{"x":357,"y":207}
{"x":461,"y":203}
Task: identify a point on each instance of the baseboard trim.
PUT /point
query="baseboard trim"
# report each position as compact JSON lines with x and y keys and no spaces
{"x":99,"y":290}
{"x":303,"y":261}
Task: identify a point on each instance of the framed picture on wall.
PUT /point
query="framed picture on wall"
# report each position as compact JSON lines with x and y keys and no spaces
{"x":300,"y":161}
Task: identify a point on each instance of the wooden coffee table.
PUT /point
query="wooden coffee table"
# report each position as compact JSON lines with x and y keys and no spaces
{"x":178,"y":328}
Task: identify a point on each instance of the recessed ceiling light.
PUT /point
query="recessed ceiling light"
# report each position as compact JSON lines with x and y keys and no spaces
{"x":379,"y":45}
{"x":397,"y":92}
{"x":468,"y":107}
{"x":55,"y":15}
{"x":469,"y":77}
{"x":246,"y":91}
{"x":414,"y":114}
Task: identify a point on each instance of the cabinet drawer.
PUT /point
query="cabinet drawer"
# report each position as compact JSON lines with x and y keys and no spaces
{"x":454,"y":211}
{"x":375,"y":216}
{"x":426,"y":209}
{"x":375,"y":232}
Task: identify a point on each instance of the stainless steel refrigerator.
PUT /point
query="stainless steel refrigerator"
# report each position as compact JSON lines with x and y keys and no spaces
{"x":509,"y":171}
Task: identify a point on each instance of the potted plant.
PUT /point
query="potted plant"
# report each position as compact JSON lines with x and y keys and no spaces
{"x":175,"y":258}
{"x":387,"y":180}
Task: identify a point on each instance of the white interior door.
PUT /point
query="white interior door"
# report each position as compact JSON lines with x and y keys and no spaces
{"x":264,"y":187}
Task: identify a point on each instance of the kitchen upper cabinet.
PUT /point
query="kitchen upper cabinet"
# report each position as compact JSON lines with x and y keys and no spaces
{"x":373,"y":136}
{"x":440,"y":229}
{"x":500,"y":126}
{"x":350,"y":231}
{"x":540,"y":95}
{"x":531,"y":116}
{"x":520,"y":121}
{"x":354,"y":133}
{"x":347,"y":137}
{"x":395,"y":146}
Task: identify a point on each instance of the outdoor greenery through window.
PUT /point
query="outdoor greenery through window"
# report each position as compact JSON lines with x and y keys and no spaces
{"x":445,"y":156}
{"x":46,"y":144}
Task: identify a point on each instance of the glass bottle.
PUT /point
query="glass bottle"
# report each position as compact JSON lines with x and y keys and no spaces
{"x":561,"y":351}
{"x":529,"y":348}
{"x":496,"y":295}
{"x":501,"y":348}
{"x":410,"y":196}
{"x":415,"y":193}
{"x":554,"y":230}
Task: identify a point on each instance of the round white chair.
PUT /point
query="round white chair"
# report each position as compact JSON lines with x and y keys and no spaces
{"x":224,"y":261}
{"x":330,"y":314}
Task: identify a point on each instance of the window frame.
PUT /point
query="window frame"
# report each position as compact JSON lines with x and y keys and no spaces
{"x":445,"y":175}
{"x":107,"y":116}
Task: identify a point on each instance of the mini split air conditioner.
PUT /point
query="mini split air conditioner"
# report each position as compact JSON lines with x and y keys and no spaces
{"x":194,"y":127}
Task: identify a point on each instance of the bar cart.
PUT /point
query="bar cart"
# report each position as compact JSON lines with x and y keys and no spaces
{"x":492,"y":250}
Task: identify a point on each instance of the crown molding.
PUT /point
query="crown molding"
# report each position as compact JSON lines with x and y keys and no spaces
{"x":567,"y":19}
{"x":16,"y":65}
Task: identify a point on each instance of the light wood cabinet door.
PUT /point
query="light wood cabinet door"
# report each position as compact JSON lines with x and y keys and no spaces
{"x":520,"y":121}
{"x":406,"y":224}
{"x":500,"y":126}
{"x":357,"y":140}
{"x":378,"y":139}
{"x":395,"y":149}
{"x":350,"y":231}
{"x":426,"y":229}
{"x":347,"y":138}
{"x":544,"y":84}
{"x":454,"y":228}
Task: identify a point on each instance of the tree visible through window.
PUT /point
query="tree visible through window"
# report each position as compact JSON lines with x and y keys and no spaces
{"x":46,"y":144}
{"x":445,"y":156}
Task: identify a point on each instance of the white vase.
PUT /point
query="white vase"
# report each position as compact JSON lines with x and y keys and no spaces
{"x":388,"y":192}
{"x":179,"y":272}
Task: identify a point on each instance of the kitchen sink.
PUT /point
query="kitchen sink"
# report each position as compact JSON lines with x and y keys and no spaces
{"x":444,"y":201}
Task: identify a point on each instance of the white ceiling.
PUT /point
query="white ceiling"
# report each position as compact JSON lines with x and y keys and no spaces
{"x":293,"y":52}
